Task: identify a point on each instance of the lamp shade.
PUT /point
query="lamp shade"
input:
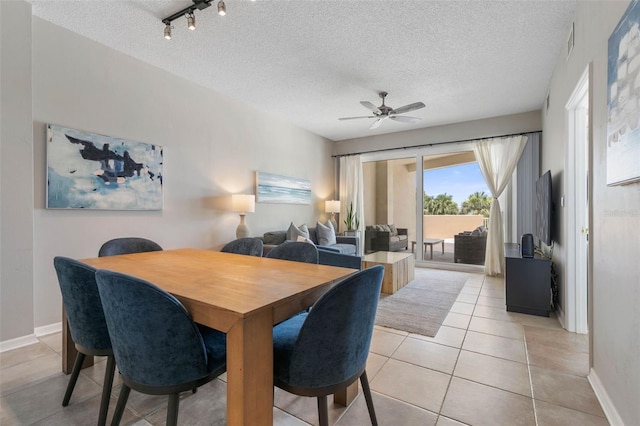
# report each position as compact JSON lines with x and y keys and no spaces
{"x":243,"y":203}
{"x":332,"y":206}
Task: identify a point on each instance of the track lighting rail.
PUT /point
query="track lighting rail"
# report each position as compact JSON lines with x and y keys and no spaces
{"x":197,"y":4}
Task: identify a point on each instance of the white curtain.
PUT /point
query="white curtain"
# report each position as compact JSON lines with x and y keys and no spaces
{"x":497,"y":159}
{"x":351,"y":191}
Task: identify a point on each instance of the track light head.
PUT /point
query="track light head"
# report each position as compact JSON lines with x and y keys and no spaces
{"x":191,"y":18}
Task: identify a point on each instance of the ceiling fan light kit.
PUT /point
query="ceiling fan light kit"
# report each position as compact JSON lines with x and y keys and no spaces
{"x":191,"y":18}
{"x":383,"y":112}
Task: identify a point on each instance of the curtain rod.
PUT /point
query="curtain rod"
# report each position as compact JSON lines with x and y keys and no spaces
{"x":432,"y":144}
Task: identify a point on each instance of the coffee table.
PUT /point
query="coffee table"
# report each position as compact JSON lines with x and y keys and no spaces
{"x":398,"y":269}
{"x":428,"y":242}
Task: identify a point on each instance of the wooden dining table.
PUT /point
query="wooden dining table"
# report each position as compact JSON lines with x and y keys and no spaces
{"x":243,"y":296}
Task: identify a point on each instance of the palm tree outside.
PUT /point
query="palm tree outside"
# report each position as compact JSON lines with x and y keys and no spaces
{"x":477,"y":203}
{"x":458,"y":189}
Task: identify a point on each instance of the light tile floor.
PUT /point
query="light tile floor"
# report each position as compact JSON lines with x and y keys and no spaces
{"x":485,"y":366}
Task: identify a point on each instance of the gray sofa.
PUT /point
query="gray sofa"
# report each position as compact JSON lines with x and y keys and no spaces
{"x":344,"y":245}
{"x":326,"y":257}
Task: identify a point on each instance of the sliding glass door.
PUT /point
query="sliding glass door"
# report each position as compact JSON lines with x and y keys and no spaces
{"x":455,"y":209}
{"x":436,"y":195}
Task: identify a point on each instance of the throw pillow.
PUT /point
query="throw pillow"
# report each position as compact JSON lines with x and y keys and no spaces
{"x":386,"y":228}
{"x":294,"y":232}
{"x":302,"y":239}
{"x":274,"y":237}
{"x":326,"y":234}
{"x":478,"y":231}
{"x":394,"y":230}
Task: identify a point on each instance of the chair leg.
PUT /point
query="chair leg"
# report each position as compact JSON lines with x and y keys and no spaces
{"x":323,"y":411}
{"x":172,"y":409}
{"x":122,"y":403}
{"x":106,"y":390}
{"x":77,"y":366}
{"x":367,"y":396}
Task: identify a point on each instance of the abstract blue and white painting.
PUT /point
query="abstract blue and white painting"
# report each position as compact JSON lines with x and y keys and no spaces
{"x":623,"y":81}
{"x":282,"y":189}
{"x":90,"y":171}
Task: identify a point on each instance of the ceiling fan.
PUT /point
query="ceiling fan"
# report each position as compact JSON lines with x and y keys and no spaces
{"x":383,"y":112}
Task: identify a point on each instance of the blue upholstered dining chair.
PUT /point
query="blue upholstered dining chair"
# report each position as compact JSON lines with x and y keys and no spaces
{"x":127,"y":245}
{"x":158,"y":347}
{"x":248,"y":246}
{"x":87,"y":324}
{"x":325,"y":350}
{"x":295,"y":250}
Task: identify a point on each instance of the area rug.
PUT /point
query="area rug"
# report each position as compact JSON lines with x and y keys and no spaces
{"x":422,"y":305}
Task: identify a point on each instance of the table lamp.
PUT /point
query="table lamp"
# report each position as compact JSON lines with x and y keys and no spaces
{"x":333,"y":207}
{"x":243,"y":204}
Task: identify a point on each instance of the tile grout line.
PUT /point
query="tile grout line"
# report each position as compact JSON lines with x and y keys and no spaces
{"x":533,"y":400}
{"x":466,"y":330}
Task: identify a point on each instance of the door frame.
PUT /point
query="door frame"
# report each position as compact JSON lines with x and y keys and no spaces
{"x":576,"y":315}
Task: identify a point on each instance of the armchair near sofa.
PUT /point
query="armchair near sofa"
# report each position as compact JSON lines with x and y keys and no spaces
{"x":386,"y":238}
{"x":470,"y":246}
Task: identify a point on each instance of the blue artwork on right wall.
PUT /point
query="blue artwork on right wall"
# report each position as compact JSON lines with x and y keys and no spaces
{"x":623,"y":99}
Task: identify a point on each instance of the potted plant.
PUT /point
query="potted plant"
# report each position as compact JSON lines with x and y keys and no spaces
{"x":352,"y":221}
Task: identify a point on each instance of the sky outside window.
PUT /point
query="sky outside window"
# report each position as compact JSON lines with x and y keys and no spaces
{"x":458,"y":181}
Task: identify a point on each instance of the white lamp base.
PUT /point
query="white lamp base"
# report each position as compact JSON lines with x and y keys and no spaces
{"x":242,"y":231}
{"x":332,"y":219}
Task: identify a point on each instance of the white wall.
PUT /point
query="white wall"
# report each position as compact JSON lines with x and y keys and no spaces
{"x":212,"y":147}
{"x":16,"y":172}
{"x":615,"y":218}
{"x":404,"y":197}
{"x":370,"y":193}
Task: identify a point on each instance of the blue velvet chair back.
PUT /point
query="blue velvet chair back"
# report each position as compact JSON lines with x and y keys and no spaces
{"x":248,"y":246}
{"x":296,"y":251}
{"x":333,"y":343}
{"x":127,"y":245}
{"x":82,"y":304}
{"x":155,"y":342}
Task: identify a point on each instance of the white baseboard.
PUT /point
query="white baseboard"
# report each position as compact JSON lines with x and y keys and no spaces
{"x":48,"y":329}
{"x":30,"y":339}
{"x":603,"y":397}
{"x":18,"y":342}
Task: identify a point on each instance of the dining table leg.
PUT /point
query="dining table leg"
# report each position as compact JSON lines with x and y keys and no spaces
{"x":346,"y":396}
{"x":250,"y":370}
{"x":69,"y":351}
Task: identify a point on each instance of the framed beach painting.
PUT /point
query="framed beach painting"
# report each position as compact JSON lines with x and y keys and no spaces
{"x":623,"y":99}
{"x":90,"y":171}
{"x":282,"y":189}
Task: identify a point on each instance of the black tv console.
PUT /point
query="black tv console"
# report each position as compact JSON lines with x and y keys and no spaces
{"x":527,"y":282}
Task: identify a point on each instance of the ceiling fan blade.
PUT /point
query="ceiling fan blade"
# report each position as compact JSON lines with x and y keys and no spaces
{"x":377,"y":123}
{"x":353,"y":118}
{"x":368,"y":105}
{"x":411,"y":107}
{"x":405,"y":119}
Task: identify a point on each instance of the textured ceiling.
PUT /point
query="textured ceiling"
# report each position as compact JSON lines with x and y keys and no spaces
{"x":310,"y":62}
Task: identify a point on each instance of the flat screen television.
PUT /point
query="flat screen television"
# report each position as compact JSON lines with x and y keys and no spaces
{"x":544,"y":208}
